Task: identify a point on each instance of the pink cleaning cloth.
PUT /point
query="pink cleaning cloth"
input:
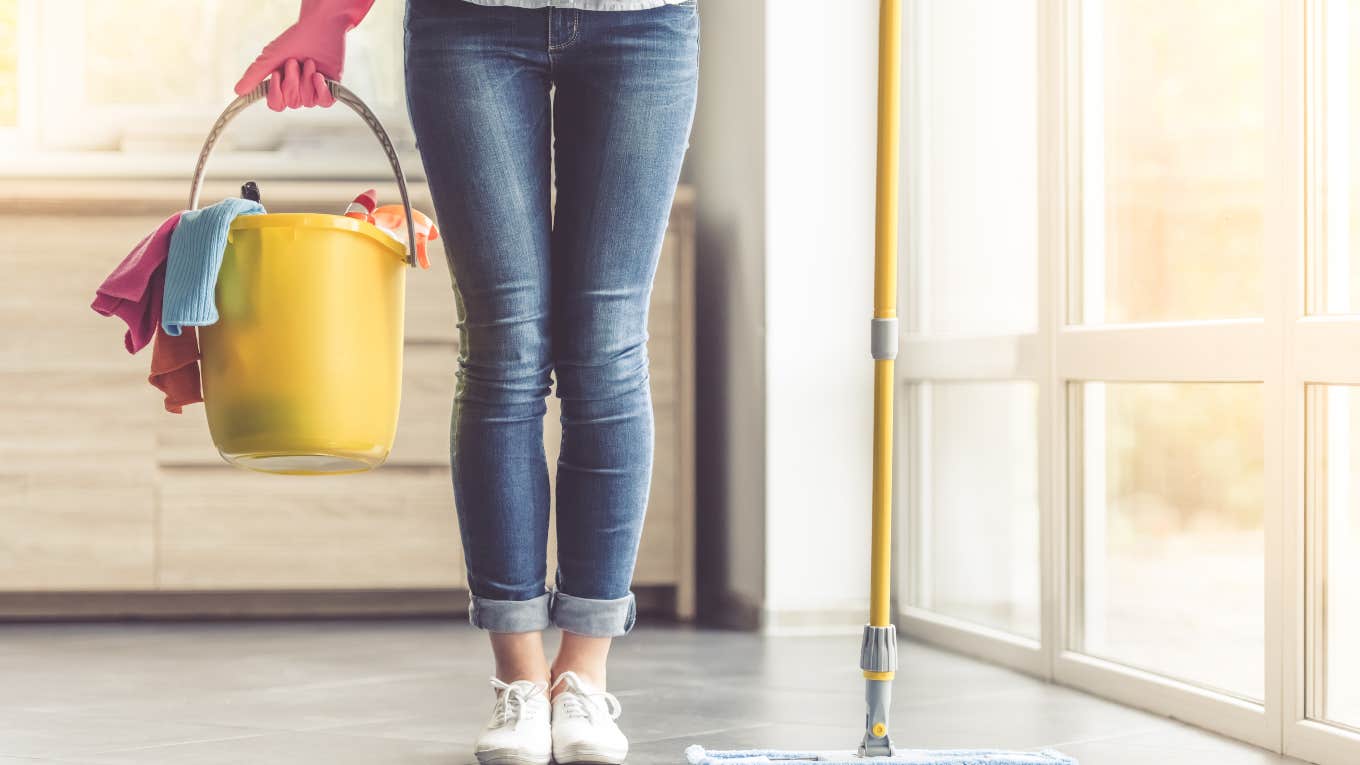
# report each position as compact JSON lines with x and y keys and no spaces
{"x":132,"y":292}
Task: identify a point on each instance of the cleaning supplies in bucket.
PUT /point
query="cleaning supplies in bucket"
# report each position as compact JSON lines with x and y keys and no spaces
{"x":362,"y":206}
{"x":292,"y":323}
{"x":391,"y":220}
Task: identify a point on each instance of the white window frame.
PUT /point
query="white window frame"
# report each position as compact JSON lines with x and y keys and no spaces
{"x":1282,"y":350}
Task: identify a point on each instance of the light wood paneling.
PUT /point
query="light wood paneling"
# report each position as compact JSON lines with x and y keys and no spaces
{"x":223,"y":528}
{"x":52,"y":267}
{"x":666,"y":287}
{"x":431,"y":313}
{"x":77,"y":496}
{"x":426,"y":404}
{"x":78,"y":504}
{"x":183,"y":439}
{"x":656,"y":555}
{"x":663,"y":326}
{"x":664,"y":369}
{"x":78,"y":529}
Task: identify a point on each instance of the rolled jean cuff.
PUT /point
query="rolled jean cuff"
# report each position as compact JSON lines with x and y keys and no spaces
{"x":510,"y":615}
{"x":594,"y":617}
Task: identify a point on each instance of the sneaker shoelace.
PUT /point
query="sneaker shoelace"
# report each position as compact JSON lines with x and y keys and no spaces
{"x":512,"y":702}
{"x":579,"y":702}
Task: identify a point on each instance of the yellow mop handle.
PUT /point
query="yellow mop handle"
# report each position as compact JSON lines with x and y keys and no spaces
{"x":885,"y":304}
{"x":878,"y":651}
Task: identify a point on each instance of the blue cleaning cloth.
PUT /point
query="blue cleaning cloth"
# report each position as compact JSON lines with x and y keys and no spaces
{"x":696,"y":755}
{"x":194,"y":259}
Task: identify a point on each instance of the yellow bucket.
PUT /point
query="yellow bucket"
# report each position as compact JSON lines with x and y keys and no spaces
{"x":302,"y":371}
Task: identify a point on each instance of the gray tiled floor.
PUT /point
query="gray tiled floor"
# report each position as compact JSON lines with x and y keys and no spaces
{"x":415,"y":693}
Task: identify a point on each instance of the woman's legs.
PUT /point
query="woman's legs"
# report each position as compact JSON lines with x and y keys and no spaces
{"x":586,"y":656}
{"x":477,"y":89}
{"x":520,"y":656}
{"x":529,"y":300}
{"x":624,"y":103}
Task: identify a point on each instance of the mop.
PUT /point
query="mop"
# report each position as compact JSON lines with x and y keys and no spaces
{"x":878,"y":649}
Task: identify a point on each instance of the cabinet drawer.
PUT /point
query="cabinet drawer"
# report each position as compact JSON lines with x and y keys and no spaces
{"x":77,"y":480}
{"x":223,"y":528}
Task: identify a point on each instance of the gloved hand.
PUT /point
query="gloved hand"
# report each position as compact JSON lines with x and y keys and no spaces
{"x":306,"y":55}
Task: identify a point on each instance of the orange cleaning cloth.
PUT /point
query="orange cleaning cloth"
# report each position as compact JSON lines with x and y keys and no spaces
{"x":174,"y":368}
{"x":392,"y":220}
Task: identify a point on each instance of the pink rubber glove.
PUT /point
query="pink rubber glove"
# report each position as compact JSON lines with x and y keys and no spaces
{"x":306,"y":55}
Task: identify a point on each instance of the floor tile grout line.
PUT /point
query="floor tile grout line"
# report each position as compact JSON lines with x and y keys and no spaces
{"x":1216,"y":738}
{"x":94,"y":714}
{"x":264,"y":729}
{"x":161,"y":745}
{"x":266,"y":733}
{"x":711,"y":732}
{"x":339,"y":733}
{"x":255,"y":730}
{"x":1139,"y":732}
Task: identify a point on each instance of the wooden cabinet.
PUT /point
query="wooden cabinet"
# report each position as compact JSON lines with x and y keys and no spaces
{"x":101,"y":490}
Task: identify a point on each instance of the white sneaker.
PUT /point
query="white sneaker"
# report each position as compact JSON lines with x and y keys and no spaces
{"x":583,"y":727}
{"x":519,"y":732}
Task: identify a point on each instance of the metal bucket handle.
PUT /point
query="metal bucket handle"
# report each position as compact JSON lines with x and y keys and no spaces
{"x":341,"y":93}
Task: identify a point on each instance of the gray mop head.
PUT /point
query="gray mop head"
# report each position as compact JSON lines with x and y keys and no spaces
{"x":697,"y":755}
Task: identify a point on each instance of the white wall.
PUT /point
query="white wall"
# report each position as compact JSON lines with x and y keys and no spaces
{"x":782,"y":159}
{"x":726,"y":163}
{"x":821,"y":65}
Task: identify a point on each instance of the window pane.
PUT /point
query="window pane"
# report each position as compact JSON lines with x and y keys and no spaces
{"x":1334,"y":417}
{"x":9,"y":63}
{"x":1173,"y":542}
{"x":972,"y":184}
{"x":1173,"y":159}
{"x":200,"y":49}
{"x":1334,"y":279}
{"x":977,"y":556}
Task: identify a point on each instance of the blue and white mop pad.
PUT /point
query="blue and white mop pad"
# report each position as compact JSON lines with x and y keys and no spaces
{"x":697,"y":755}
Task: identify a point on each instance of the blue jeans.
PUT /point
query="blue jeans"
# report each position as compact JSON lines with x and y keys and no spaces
{"x":499,"y":98}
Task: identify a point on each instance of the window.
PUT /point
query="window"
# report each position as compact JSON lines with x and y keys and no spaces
{"x":1173,"y":552}
{"x":971,"y":295}
{"x":9,"y":63}
{"x":1172,"y":170}
{"x":971,"y":184}
{"x":142,"y":78}
{"x":978,"y":547}
{"x":1334,"y":534}
{"x":1334,"y":278}
{"x":1129,"y":378}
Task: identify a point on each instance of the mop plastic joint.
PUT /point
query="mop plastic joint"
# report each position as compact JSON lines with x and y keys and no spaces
{"x":883,"y":338}
{"x":878,"y":651}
